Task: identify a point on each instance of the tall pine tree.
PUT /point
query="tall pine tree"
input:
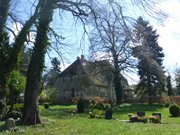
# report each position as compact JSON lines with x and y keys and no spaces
{"x":169,"y":86}
{"x":150,"y":56}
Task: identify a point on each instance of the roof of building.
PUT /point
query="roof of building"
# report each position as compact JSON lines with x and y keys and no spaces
{"x":100,"y":72}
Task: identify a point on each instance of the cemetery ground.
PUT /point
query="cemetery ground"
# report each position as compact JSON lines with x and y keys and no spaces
{"x":60,"y":120}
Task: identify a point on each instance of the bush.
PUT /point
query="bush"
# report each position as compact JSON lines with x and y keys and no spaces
{"x":3,"y":109}
{"x":80,"y":106}
{"x":136,"y":118}
{"x":2,"y":105}
{"x":17,"y":112}
{"x":18,"y":107}
{"x":98,"y":110}
{"x":174,"y":110}
{"x":99,"y":106}
{"x":166,"y":104}
{"x":44,"y":97}
{"x":14,"y":114}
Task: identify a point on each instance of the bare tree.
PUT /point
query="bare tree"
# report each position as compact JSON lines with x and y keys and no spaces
{"x":110,"y":40}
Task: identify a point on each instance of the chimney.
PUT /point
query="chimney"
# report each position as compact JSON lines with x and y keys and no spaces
{"x":83,"y":58}
{"x":78,"y":58}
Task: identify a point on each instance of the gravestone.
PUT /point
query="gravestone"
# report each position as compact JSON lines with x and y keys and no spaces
{"x":9,"y":123}
{"x":108,"y":114}
{"x":157,"y":114}
{"x":46,"y":106}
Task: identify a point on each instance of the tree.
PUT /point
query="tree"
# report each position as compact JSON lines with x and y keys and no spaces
{"x":177,"y":80}
{"x":25,"y":60}
{"x":169,"y":86}
{"x":31,"y":113}
{"x":16,"y":85}
{"x":5,"y":48}
{"x":77,"y":8}
{"x":14,"y":56}
{"x":150,"y":56}
{"x":56,"y":65}
{"x":110,"y":40}
{"x":34,"y":77}
{"x":50,"y":77}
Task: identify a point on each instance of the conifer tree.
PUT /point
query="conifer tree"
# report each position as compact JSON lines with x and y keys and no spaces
{"x":5,"y":48}
{"x":150,"y":56}
{"x":169,"y":86}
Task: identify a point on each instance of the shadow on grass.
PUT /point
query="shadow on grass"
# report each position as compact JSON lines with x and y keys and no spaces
{"x":127,"y":108}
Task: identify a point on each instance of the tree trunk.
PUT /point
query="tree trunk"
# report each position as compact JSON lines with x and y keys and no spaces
{"x":117,"y":80}
{"x":31,"y":113}
{"x":11,"y":100}
{"x":150,"y":101}
{"x":118,"y":89}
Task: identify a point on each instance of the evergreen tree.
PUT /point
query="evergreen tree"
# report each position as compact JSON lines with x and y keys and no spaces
{"x":55,"y":65}
{"x":177,"y":80}
{"x":50,"y":77}
{"x":169,"y":86}
{"x":150,"y":56}
{"x":5,"y":48}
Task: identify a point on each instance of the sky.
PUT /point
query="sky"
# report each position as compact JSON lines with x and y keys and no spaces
{"x":169,"y":38}
{"x":169,"y":33}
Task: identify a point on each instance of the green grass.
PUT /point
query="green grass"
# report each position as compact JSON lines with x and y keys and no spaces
{"x":57,"y":121}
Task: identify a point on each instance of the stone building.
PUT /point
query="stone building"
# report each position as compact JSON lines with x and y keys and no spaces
{"x":86,"y":79}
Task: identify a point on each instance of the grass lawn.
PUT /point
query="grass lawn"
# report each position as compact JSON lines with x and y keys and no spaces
{"x":58,"y":122}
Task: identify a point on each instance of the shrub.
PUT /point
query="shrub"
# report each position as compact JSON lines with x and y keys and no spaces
{"x":2,"y":105}
{"x":17,"y":112}
{"x":174,"y":110}
{"x":91,"y":107}
{"x":96,"y":113}
{"x":44,"y":97}
{"x":99,"y":106}
{"x":14,"y":114}
{"x":18,"y":107}
{"x":3,"y":109}
{"x":80,"y":106}
{"x":136,"y":118}
{"x":166,"y":104}
{"x":97,"y":110}
{"x":107,"y":106}
{"x":130,"y":114}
